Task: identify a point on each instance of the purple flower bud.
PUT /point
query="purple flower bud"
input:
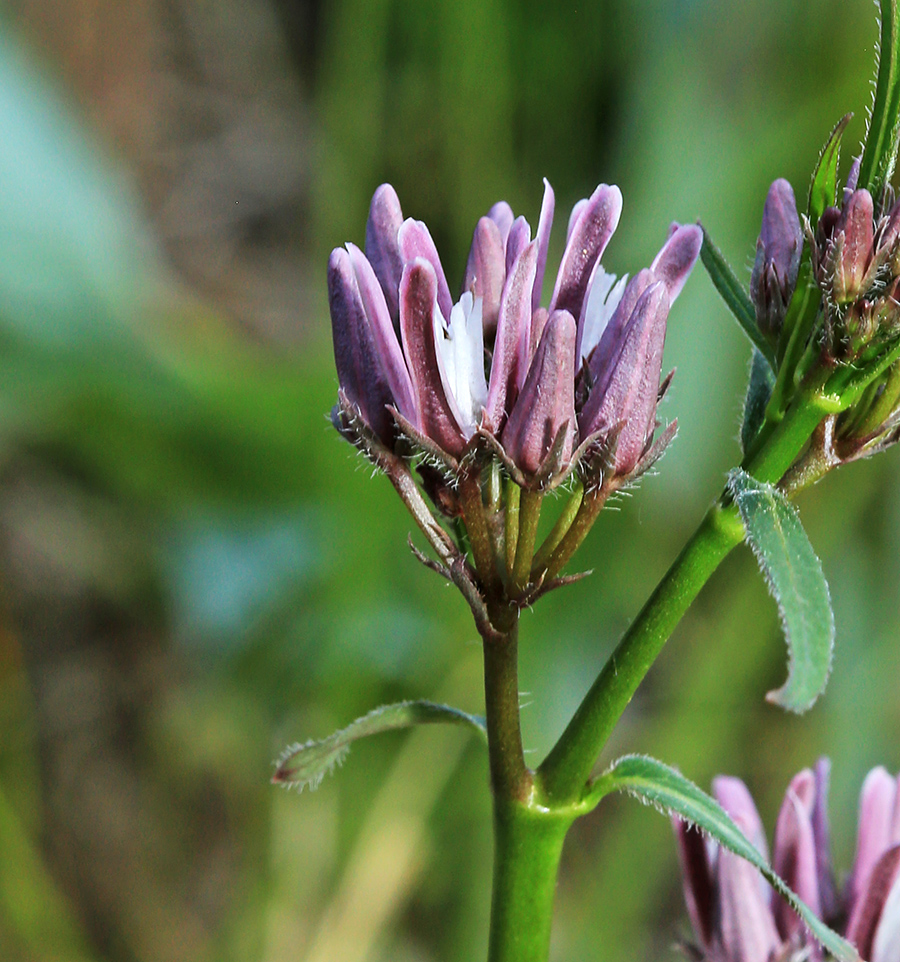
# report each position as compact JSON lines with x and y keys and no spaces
{"x":852,"y":253}
{"x":546,"y":404}
{"x":420,"y":325}
{"x":590,"y":234}
{"x":502,"y":215}
{"x":794,"y":857}
{"x":737,"y":921}
{"x":519,"y":238}
{"x":382,"y":246}
{"x":511,"y":356}
{"x":675,"y":261}
{"x":361,"y":373}
{"x":777,"y":258}
{"x":486,"y":271}
{"x":415,"y":241}
{"x":623,"y":400}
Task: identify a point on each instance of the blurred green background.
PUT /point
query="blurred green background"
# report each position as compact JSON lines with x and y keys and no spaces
{"x":195,"y":570}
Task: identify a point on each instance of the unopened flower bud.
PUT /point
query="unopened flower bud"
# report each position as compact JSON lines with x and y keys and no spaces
{"x":546,"y":403}
{"x":382,"y":246}
{"x":852,"y":252}
{"x":777,"y":258}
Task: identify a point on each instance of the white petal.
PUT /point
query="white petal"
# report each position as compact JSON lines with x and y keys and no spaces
{"x":602,"y":301}
{"x":461,"y":346}
{"x":886,"y":947}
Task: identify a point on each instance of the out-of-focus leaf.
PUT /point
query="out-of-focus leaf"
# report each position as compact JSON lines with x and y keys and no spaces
{"x":303,"y":765}
{"x":734,"y":295}
{"x":823,"y":188}
{"x":795,"y":578}
{"x":759,"y":390}
{"x":661,"y":786}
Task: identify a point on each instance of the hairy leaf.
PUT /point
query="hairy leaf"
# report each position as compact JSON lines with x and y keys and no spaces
{"x":661,"y":786}
{"x":734,"y":295}
{"x":795,"y":578}
{"x":306,"y":765}
{"x":823,"y":189}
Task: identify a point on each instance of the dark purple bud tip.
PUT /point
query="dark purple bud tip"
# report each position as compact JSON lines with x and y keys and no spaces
{"x":382,"y":246}
{"x":546,"y":403}
{"x":777,"y":257}
{"x":360,"y":371}
{"x":674,"y":263}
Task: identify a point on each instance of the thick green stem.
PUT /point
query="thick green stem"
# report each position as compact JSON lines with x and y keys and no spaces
{"x":567,"y":768}
{"x":510,"y":778}
{"x":527,"y":846}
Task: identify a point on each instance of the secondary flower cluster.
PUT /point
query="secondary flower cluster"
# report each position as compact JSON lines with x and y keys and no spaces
{"x":544,"y":388}
{"x":738,"y":918}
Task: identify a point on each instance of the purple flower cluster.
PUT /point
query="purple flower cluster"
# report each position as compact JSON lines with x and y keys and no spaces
{"x":544,"y":387}
{"x":738,"y":918}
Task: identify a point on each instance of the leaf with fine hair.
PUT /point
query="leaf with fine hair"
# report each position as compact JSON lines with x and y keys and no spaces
{"x":734,"y":295}
{"x":823,"y":188}
{"x":883,"y":130}
{"x":306,"y":765}
{"x":795,"y":578}
{"x":661,"y":786}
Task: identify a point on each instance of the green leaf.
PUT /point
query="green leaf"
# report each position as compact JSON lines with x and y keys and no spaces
{"x":795,"y":578}
{"x":759,"y":390}
{"x":735,"y":297}
{"x":823,"y":189}
{"x":883,"y":131}
{"x":663,"y":787}
{"x":303,"y":765}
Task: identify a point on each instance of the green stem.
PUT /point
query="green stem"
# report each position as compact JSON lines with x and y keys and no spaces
{"x":477,"y":529}
{"x":591,"y":505}
{"x":566,"y":769}
{"x":510,"y":778}
{"x":527,"y":846}
{"x":511,"y":523}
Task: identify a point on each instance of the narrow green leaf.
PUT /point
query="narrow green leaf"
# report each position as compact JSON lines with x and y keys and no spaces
{"x":794,"y":575}
{"x":759,"y":390}
{"x":883,"y":131}
{"x":734,"y":295}
{"x":663,"y":787}
{"x":306,"y":765}
{"x":823,"y":189}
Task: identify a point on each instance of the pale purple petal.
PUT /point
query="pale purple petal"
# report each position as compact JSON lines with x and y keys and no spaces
{"x":546,"y":403}
{"x":876,"y":811}
{"x":519,"y":238}
{"x":511,"y":358}
{"x":415,"y":241}
{"x":614,"y":330}
{"x":673,"y":264}
{"x":746,"y":929}
{"x":573,"y":217}
{"x":545,"y":223}
{"x":822,"y":831}
{"x":384,"y":334}
{"x":486,"y":271}
{"x":502,"y":215}
{"x":419,"y":327}
{"x":383,"y":247}
{"x":794,"y":852}
{"x":591,"y":233}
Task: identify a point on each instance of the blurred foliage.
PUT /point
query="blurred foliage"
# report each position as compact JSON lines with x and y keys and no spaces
{"x":196,"y":571}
